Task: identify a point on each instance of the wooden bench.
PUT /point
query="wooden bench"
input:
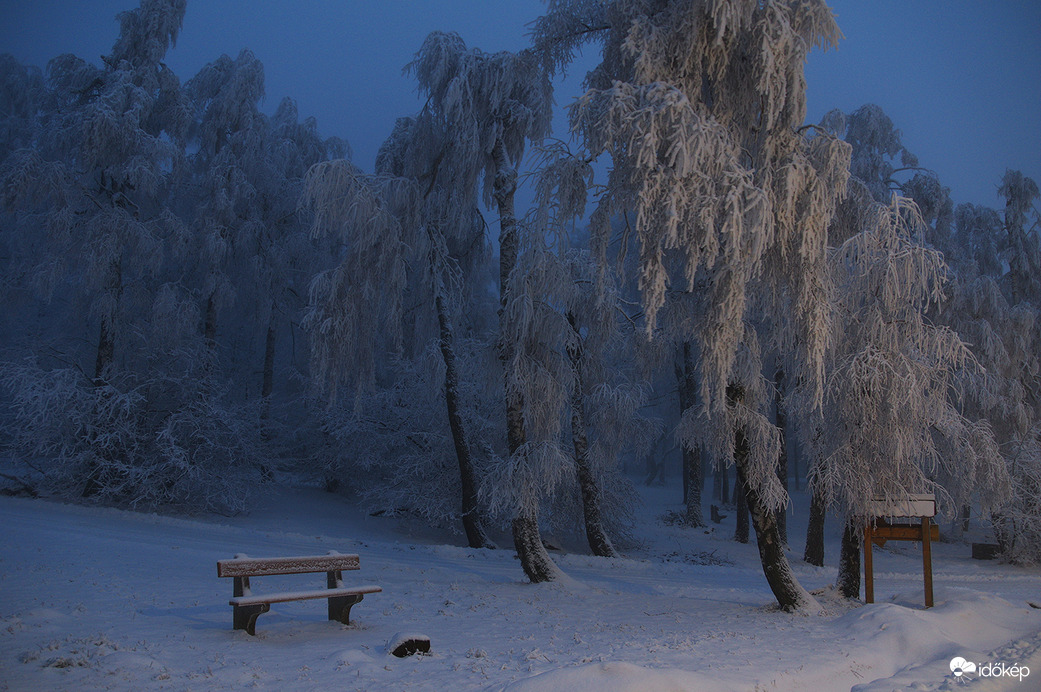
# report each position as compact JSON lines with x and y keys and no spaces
{"x":247,"y":607}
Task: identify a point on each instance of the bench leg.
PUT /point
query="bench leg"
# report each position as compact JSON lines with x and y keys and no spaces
{"x":340,"y":607}
{"x":245,"y":617}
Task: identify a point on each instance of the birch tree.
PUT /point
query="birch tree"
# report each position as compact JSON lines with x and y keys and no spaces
{"x":698,"y":106}
{"x":96,"y":173}
{"x":1018,"y":525}
{"x":493,"y":104}
{"x":889,"y":425}
{"x":244,"y":179}
{"x":407,"y":215}
{"x":120,"y":127}
{"x":580,"y":413}
{"x":229,"y":134}
{"x":1023,"y":281}
{"x":24,"y":95}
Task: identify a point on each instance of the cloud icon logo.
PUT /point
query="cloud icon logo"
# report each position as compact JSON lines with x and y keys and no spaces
{"x":959,"y":666}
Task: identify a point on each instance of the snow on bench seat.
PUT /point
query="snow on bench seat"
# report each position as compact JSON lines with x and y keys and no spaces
{"x":303,"y":595}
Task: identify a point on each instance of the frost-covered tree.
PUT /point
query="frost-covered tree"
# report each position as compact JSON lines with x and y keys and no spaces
{"x":580,"y":414}
{"x":407,"y":230}
{"x":699,"y":106}
{"x":493,"y":104}
{"x":1023,"y":281}
{"x":282,"y":258}
{"x":95,"y":177}
{"x":23,"y":95}
{"x":156,"y":438}
{"x":228,"y":163}
{"x":113,"y":138}
{"x":889,"y":426}
{"x":883,"y":165}
{"x":102,"y":199}
{"x":1013,"y":398}
{"x":564,"y":306}
{"x":249,"y":245}
{"x":878,"y":152}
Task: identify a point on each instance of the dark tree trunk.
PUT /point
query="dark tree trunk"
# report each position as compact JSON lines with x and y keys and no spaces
{"x":103,"y":362}
{"x":106,"y":351}
{"x":693,"y":480}
{"x":849,"y":560}
{"x":107,"y":334}
{"x":209,"y":328}
{"x":534,"y":559}
{"x":1004,"y":532}
{"x":793,"y":460}
{"x":475,"y":535}
{"x":741,"y":503}
{"x":267,"y":385}
{"x":782,"y":458}
{"x":786,"y":589}
{"x":725,"y":496}
{"x":526,"y":537}
{"x":814,"y":553}
{"x":592,"y":495}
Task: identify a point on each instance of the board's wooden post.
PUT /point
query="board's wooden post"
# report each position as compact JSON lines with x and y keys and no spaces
{"x":869,"y":573}
{"x":927,"y":561}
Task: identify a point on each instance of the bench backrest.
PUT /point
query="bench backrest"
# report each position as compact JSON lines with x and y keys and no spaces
{"x":261,"y":566}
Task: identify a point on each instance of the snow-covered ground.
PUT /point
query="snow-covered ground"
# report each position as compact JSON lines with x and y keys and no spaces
{"x":95,"y":598}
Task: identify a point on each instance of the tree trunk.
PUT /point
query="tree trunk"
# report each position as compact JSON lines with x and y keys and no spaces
{"x":106,"y":356}
{"x":741,"y":504}
{"x":592,"y":495}
{"x":793,"y":460}
{"x":1004,"y":532}
{"x":475,"y":535}
{"x":725,"y":496}
{"x":693,"y":480}
{"x":786,"y":589}
{"x":106,"y":351}
{"x":209,"y":329}
{"x":782,"y":458}
{"x":526,"y":537}
{"x":534,"y":559}
{"x":107,"y":335}
{"x":849,"y":560}
{"x":267,"y":384}
{"x":814,"y":553}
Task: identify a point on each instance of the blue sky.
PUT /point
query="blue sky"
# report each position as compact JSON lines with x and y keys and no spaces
{"x":960,"y":78}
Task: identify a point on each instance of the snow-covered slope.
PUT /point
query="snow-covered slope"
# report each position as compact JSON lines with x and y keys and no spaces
{"x":104,"y":599}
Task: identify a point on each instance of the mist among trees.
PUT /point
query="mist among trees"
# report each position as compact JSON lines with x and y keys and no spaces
{"x":203,"y":298}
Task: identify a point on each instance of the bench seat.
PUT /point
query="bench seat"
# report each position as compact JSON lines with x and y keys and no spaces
{"x":303,"y":595}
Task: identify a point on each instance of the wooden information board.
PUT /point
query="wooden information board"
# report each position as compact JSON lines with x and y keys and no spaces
{"x":882,"y":528}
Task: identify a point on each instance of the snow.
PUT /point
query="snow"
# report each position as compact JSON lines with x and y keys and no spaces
{"x":97,"y":598}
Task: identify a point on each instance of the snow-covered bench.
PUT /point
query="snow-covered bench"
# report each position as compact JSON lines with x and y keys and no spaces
{"x":247,"y":607}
